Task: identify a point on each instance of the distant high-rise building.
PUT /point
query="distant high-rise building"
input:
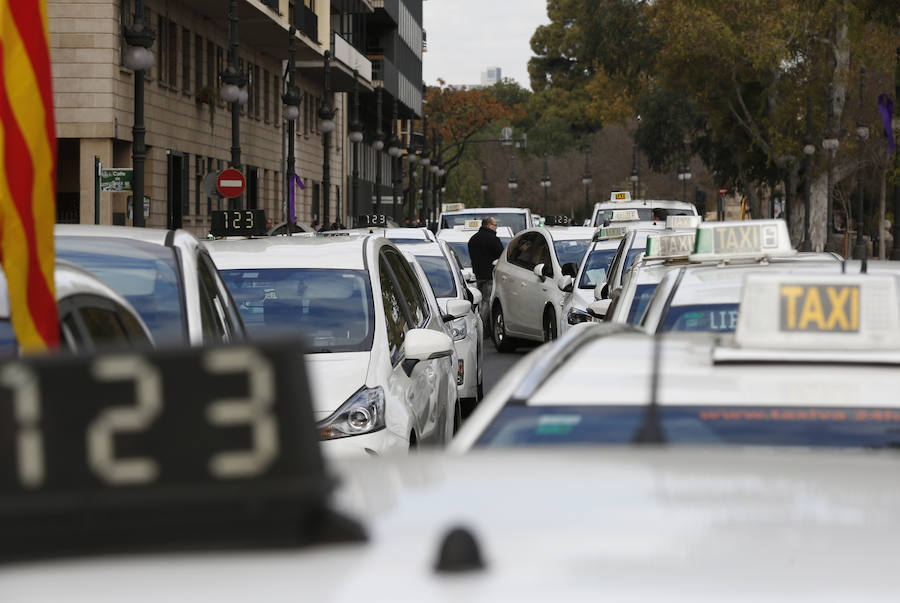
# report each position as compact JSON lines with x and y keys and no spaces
{"x":491,"y":76}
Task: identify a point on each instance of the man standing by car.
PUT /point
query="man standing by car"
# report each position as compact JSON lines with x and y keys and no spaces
{"x":484,"y":249}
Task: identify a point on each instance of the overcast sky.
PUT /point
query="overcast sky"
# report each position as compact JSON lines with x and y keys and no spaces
{"x":467,"y":36}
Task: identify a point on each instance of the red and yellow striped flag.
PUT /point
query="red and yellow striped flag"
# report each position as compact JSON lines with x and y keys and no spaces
{"x":27,"y":172}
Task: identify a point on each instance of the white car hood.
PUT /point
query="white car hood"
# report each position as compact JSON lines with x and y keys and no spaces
{"x":334,"y":378}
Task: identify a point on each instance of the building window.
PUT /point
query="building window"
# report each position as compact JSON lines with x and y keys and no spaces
{"x":292,"y":12}
{"x":257,"y":81}
{"x":305,"y":113}
{"x":185,"y":60}
{"x":277,"y":111}
{"x":220,"y":66}
{"x":266,"y":96}
{"x":211,"y":73}
{"x":198,"y":63}
{"x":198,"y":180}
{"x":125,"y":21}
{"x":162,"y":48}
{"x":246,"y":106}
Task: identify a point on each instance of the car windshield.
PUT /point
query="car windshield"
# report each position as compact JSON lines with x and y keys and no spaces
{"x":516,"y":221}
{"x":145,"y":274}
{"x":332,"y":309}
{"x":721,"y":318}
{"x":645,"y":214}
{"x":437,"y":269}
{"x":595,"y":268}
{"x":571,"y":251}
{"x":8,"y":343}
{"x":642,"y":295}
{"x":629,"y":257}
{"x":702,"y":425}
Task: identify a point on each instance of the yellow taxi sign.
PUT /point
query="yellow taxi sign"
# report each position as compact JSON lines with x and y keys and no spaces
{"x":678,"y":222}
{"x":619,"y":196}
{"x":668,"y":246}
{"x":624,"y":215}
{"x":819,"y":312}
{"x":747,"y":239}
{"x":610,"y":232}
{"x":473,"y":223}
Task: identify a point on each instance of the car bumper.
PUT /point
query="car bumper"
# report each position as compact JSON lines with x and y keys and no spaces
{"x":380,"y":443}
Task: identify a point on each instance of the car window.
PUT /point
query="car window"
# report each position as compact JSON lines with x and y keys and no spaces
{"x":514,"y":251}
{"x":224,"y":302}
{"x":394,"y":313}
{"x":541,"y":250}
{"x":211,"y":319}
{"x":93,"y":321}
{"x":596,"y":267}
{"x":145,"y":274}
{"x":461,"y":251}
{"x":571,"y":251}
{"x":642,"y":296}
{"x":515,"y":221}
{"x":409,"y":287}
{"x":440,"y":277}
{"x":331,"y":308}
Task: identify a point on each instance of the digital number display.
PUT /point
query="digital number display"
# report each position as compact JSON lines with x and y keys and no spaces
{"x":162,"y":436}
{"x":372,"y":220}
{"x":238,"y":222}
{"x":556,"y":221}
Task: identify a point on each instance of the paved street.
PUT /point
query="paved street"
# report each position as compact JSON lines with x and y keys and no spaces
{"x":496,"y":365}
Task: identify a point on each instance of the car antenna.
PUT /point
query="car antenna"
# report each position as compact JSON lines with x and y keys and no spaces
{"x":650,"y":431}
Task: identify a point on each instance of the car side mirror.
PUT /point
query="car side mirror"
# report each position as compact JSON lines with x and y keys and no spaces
{"x":598,"y":291}
{"x":570,"y":268}
{"x":566,"y":283}
{"x":599,"y":308}
{"x":476,"y":296}
{"x":457,"y":308}
{"x":539,"y":271}
{"x":425,"y":344}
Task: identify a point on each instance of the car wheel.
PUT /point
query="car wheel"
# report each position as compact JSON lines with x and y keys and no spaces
{"x":550,"y":328}
{"x":502,"y":342}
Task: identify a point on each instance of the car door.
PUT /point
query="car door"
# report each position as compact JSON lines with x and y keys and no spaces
{"x":520,"y":264}
{"x":423,"y":396}
{"x":534,"y":289}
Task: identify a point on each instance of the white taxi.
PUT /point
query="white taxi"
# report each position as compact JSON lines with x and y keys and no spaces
{"x":380,"y":362}
{"x":516,"y":218}
{"x":167,"y":275}
{"x":620,"y":200}
{"x":458,"y":240}
{"x":533,"y":278}
{"x":705,"y":294}
{"x":813,"y":363}
{"x":92,"y":315}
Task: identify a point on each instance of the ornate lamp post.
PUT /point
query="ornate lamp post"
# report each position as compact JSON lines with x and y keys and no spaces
{"x":545,"y":182}
{"x":830,"y":145}
{"x":326,"y":127}
{"x":378,"y":146}
{"x":634,"y":172}
{"x":290,"y":112}
{"x":862,"y":132}
{"x":484,"y":184}
{"x":586,"y":180}
{"x":356,"y":137}
{"x":138,"y":58}
{"x":394,"y":151}
{"x":808,"y":150}
{"x":513,"y":181}
{"x":411,"y":160}
{"x":234,"y":90}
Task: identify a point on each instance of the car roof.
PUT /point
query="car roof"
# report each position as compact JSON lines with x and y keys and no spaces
{"x":616,"y":523}
{"x":487,"y":211}
{"x":637,"y":203}
{"x":290,"y":252}
{"x":563,"y":233}
{"x":429,"y":249}
{"x":156,"y":236}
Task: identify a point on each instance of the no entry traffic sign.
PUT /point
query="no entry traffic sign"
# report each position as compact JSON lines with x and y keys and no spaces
{"x":723,"y":191}
{"x":231,"y":183}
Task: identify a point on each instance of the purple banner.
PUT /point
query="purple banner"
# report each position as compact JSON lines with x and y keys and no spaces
{"x":295,"y":182}
{"x":886,"y":108}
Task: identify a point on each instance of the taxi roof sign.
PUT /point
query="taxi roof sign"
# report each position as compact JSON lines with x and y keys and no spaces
{"x":610,"y":232}
{"x":624,"y":215}
{"x":677,"y":222}
{"x":669,"y":246}
{"x":619,"y":197}
{"x":747,"y":239}
{"x":819,"y":312}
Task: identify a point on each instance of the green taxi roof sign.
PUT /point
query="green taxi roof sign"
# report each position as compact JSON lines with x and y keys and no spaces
{"x":682,"y":222}
{"x":610,"y":232}
{"x":669,"y":246}
{"x":624,"y":215}
{"x":747,"y":239}
{"x":819,"y":312}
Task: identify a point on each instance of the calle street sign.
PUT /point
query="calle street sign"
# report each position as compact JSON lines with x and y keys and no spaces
{"x":231,"y":183}
{"x":116,"y":180}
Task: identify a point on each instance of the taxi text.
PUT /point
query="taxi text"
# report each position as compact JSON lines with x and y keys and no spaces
{"x":824,"y":308}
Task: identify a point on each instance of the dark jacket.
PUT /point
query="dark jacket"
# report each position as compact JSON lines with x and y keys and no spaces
{"x":484,"y":248}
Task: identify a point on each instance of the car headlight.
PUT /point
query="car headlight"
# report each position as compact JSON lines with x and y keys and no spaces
{"x":458,"y":329}
{"x":576,"y":316}
{"x":362,"y":413}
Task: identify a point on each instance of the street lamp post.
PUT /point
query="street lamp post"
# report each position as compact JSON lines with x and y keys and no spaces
{"x":808,"y":150}
{"x":895,"y":227}
{"x":138,"y":58}
{"x":513,"y":181}
{"x":685,"y":173}
{"x":830,"y":145}
{"x":356,"y":137}
{"x":634,"y":172}
{"x":586,"y":180}
{"x":394,"y":152}
{"x":545,"y":182}
{"x":862,"y":132}
{"x":378,"y":145}
{"x":484,"y":184}
{"x":326,"y":127}
{"x":233,"y":83}
{"x":291,"y":111}
{"x":411,"y":161}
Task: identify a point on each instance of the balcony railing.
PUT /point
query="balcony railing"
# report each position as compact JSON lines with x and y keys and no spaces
{"x":384,"y":71}
{"x":350,"y":56}
{"x":307,"y":22}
